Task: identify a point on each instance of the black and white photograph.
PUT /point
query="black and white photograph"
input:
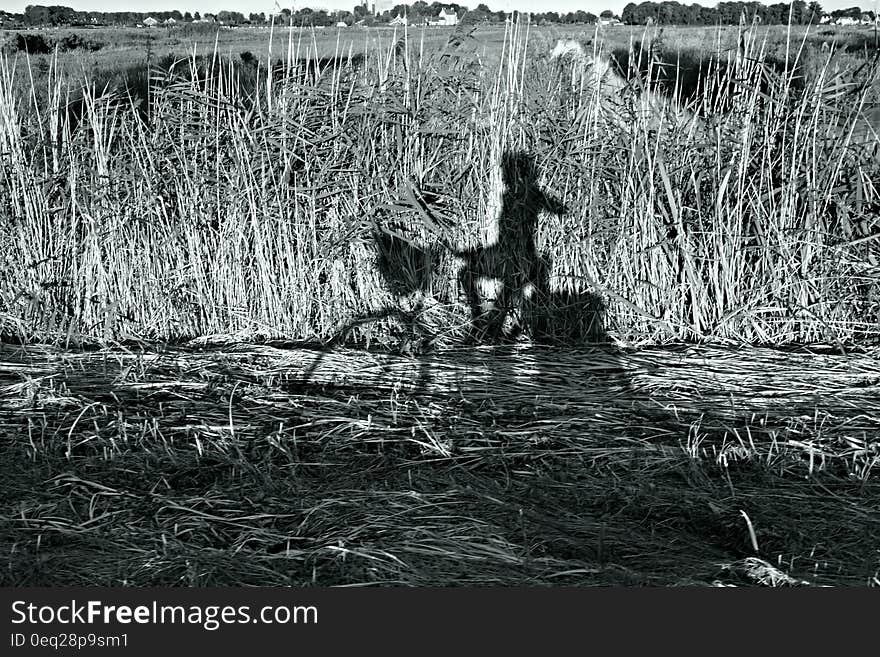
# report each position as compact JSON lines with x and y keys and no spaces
{"x":580,"y":293}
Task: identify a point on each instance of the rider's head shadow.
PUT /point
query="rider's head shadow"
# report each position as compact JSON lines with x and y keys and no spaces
{"x":522,"y":202}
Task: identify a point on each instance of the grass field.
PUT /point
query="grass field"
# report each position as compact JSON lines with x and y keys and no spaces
{"x":248,"y":338}
{"x":268,"y":466}
{"x":759,"y":229}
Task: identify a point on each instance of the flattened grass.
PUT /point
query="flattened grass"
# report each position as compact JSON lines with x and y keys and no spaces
{"x":502,"y":466}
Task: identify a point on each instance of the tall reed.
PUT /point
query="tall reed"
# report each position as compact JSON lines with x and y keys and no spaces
{"x":245,"y":200}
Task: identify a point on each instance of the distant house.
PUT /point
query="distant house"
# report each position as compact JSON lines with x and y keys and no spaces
{"x":847,"y":20}
{"x":149,"y":21}
{"x":445,"y":19}
{"x":609,"y":22}
{"x":341,"y":24}
{"x":170,"y":21}
{"x":400,"y":19}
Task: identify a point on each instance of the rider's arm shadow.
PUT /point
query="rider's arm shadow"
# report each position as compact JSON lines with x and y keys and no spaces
{"x":547,"y":203}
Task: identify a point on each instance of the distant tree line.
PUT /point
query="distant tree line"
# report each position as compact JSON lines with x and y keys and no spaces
{"x":668,"y":12}
{"x":55,"y":15}
{"x":730,"y":13}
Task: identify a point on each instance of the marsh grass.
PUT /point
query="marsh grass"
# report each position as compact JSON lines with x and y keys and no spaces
{"x":310,"y":194}
{"x":251,"y":211}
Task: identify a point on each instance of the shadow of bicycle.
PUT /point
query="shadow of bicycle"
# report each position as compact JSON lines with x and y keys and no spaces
{"x":506,"y":283}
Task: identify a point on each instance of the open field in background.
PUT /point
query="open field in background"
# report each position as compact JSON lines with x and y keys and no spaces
{"x":117,"y":49}
{"x":123,"y":55}
{"x":336,"y":208}
{"x":244,"y":465}
{"x":113,"y":42}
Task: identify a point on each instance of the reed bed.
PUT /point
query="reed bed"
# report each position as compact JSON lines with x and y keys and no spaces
{"x":242,"y":199}
{"x":262,"y":206}
{"x":241,"y":465}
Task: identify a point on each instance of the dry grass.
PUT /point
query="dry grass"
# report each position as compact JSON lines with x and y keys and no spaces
{"x":243,"y":203}
{"x":246,"y":204}
{"x":236,"y":464}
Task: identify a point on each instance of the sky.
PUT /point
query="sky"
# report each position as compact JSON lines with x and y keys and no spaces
{"x":248,"y":6}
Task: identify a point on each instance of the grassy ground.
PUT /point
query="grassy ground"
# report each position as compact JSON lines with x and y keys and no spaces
{"x":121,"y":48}
{"x":236,"y":464}
{"x":271,"y":211}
